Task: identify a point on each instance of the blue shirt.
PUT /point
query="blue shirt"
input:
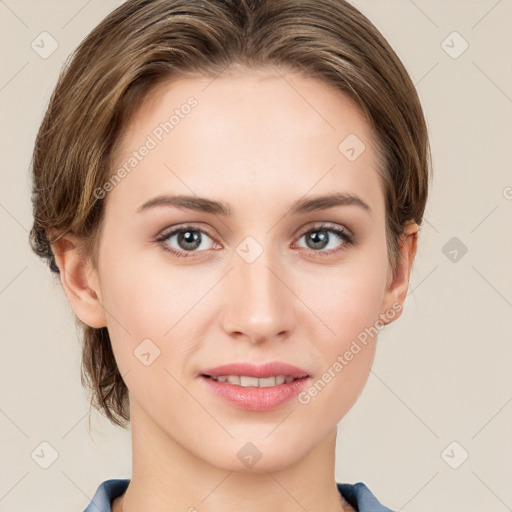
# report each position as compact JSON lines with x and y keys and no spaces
{"x":358,"y":495}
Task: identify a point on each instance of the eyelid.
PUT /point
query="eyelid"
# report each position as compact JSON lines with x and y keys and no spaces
{"x":326,"y":225}
{"x":166,"y":232}
{"x":171,"y":230}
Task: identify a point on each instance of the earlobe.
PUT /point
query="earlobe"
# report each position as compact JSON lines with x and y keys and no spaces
{"x":398,"y":283}
{"x":79,"y":282}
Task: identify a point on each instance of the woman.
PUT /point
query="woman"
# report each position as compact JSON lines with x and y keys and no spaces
{"x":231,"y":192}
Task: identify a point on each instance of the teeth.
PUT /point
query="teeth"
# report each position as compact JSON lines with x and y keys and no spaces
{"x":250,"y":381}
{"x":244,"y":381}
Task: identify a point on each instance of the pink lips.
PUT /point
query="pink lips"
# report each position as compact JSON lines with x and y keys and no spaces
{"x":256,"y":398}
{"x":260,"y":371}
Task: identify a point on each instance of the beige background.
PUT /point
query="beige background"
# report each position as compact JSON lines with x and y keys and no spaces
{"x":442,"y":373}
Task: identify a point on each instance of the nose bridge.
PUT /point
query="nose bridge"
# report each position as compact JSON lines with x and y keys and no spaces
{"x":259,"y":303}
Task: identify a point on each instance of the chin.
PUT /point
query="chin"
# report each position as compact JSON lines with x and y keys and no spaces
{"x":254,"y":457}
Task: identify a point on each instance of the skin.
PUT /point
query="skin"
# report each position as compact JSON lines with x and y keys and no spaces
{"x":291,"y":304}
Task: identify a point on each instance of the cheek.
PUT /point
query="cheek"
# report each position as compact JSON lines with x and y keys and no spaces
{"x":347,"y":298}
{"x":348,"y":303}
{"x":151,"y":300}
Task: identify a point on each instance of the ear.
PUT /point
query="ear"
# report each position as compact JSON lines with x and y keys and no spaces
{"x":398,"y":284}
{"x":80,"y":282}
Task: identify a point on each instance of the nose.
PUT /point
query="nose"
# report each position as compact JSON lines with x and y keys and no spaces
{"x":260,"y":302}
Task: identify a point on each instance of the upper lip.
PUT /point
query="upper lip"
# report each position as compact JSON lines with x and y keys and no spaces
{"x":271,"y":369}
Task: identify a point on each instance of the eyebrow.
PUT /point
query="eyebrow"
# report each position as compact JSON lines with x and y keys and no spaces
{"x":303,"y":205}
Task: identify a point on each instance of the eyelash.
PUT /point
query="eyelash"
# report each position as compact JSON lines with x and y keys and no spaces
{"x":347,"y":238}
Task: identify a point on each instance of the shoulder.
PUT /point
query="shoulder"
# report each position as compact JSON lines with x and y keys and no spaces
{"x":106,"y":493}
{"x":360,"y":497}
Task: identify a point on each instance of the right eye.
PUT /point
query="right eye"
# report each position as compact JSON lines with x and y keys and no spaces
{"x":188,"y":239}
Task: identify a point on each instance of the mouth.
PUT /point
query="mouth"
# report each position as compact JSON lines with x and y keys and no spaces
{"x":247,"y":381}
{"x":256,"y":375}
{"x":255,"y":387}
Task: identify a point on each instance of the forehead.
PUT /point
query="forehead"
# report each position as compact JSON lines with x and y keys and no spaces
{"x":260,"y":103}
{"x":253,"y":130}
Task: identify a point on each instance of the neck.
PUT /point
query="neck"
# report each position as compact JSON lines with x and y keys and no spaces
{"x":168,"y":477}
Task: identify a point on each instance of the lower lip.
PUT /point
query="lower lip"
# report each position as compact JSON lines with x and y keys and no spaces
{"x":253,"y":398}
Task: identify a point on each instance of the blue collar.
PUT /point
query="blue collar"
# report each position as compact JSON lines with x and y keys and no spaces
{"x":358,"y":495}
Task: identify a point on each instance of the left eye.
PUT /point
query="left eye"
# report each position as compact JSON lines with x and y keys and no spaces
{"x":318,"y":238}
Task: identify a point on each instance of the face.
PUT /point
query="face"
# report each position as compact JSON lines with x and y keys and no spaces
{"x":258,"y":273}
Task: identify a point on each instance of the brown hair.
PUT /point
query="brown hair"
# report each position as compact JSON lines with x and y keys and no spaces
{"x":145,"y":43}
